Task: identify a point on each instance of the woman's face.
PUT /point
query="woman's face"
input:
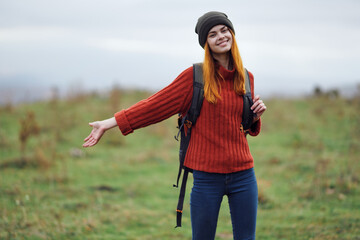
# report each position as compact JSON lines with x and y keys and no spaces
{"x":219,"y":39}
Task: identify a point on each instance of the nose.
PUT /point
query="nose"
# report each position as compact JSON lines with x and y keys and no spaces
{"x":221,"y":36}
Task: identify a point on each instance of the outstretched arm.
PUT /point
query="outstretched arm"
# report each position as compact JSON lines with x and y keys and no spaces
{"x":99,"y":128}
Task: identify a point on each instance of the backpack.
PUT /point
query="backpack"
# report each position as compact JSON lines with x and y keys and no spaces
{"x":186,"y":122}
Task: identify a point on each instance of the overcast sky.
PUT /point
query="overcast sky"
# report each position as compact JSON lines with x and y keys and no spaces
{"x":290,"y":46}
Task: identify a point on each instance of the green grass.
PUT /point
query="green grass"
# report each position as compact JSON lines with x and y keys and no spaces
{"x":306,"y":162}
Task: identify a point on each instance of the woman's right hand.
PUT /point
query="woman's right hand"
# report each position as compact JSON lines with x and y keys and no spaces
{"x":99,"y":128}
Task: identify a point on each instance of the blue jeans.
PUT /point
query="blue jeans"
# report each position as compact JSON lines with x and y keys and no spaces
{"x":205,"y":200}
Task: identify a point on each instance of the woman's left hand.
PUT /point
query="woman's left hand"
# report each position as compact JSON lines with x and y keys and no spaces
{"x":258,"y":107}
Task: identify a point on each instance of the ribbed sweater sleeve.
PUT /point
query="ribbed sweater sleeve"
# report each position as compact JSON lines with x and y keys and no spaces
{"x":173,"y":99}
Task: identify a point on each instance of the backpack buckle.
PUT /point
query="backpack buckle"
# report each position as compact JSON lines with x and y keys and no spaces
{"x":242,"y":129}
{"x":188,"y":124}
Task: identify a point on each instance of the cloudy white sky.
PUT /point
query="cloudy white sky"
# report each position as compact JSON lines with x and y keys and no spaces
{"x":291,"y":46}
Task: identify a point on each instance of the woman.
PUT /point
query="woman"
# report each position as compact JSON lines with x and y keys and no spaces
{"x":218,"y":151}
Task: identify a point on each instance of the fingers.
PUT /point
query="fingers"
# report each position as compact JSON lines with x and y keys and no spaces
{"x":92,"y":124}
{"x":258,"y":107}
{"x":87,"y":138}
{"x":255,"y":102}
{"x":93,"y":137}
{"x":258,"y":102}
{"x":91,"y":142}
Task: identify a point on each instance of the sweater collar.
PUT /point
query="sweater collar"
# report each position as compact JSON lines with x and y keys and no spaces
{"x":227,"y":74}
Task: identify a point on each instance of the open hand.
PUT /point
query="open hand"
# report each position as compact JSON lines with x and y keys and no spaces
{"x":95,"y":134}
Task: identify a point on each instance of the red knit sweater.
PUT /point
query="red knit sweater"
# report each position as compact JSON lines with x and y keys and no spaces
{"x":216,"y":144}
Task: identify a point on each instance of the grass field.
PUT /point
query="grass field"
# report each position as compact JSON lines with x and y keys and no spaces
{"x":306,"y":161}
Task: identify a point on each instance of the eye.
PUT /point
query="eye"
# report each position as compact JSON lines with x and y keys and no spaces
{"x":224,"y":30}
{"x":211,"y":35}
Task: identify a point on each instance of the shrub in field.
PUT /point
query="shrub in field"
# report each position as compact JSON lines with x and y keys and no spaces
{"x":40,"y":155}
{"x":29,"y":127}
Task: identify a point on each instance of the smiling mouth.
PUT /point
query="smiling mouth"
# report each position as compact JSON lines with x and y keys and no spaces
{"x":222,"y":42}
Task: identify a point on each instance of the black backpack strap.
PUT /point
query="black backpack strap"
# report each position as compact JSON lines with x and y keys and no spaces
{"x":247,"y":81}
{"x":248,"y":114}
{"x":181,"y":198}
{"x":198,"y":94}
{"x":191,"y":116}
{"x":189,"y":120}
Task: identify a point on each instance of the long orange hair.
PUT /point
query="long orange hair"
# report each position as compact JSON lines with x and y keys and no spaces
{"x":212,"y":77}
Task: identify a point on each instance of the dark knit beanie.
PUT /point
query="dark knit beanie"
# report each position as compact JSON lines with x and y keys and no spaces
{"x":209,"y":20}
